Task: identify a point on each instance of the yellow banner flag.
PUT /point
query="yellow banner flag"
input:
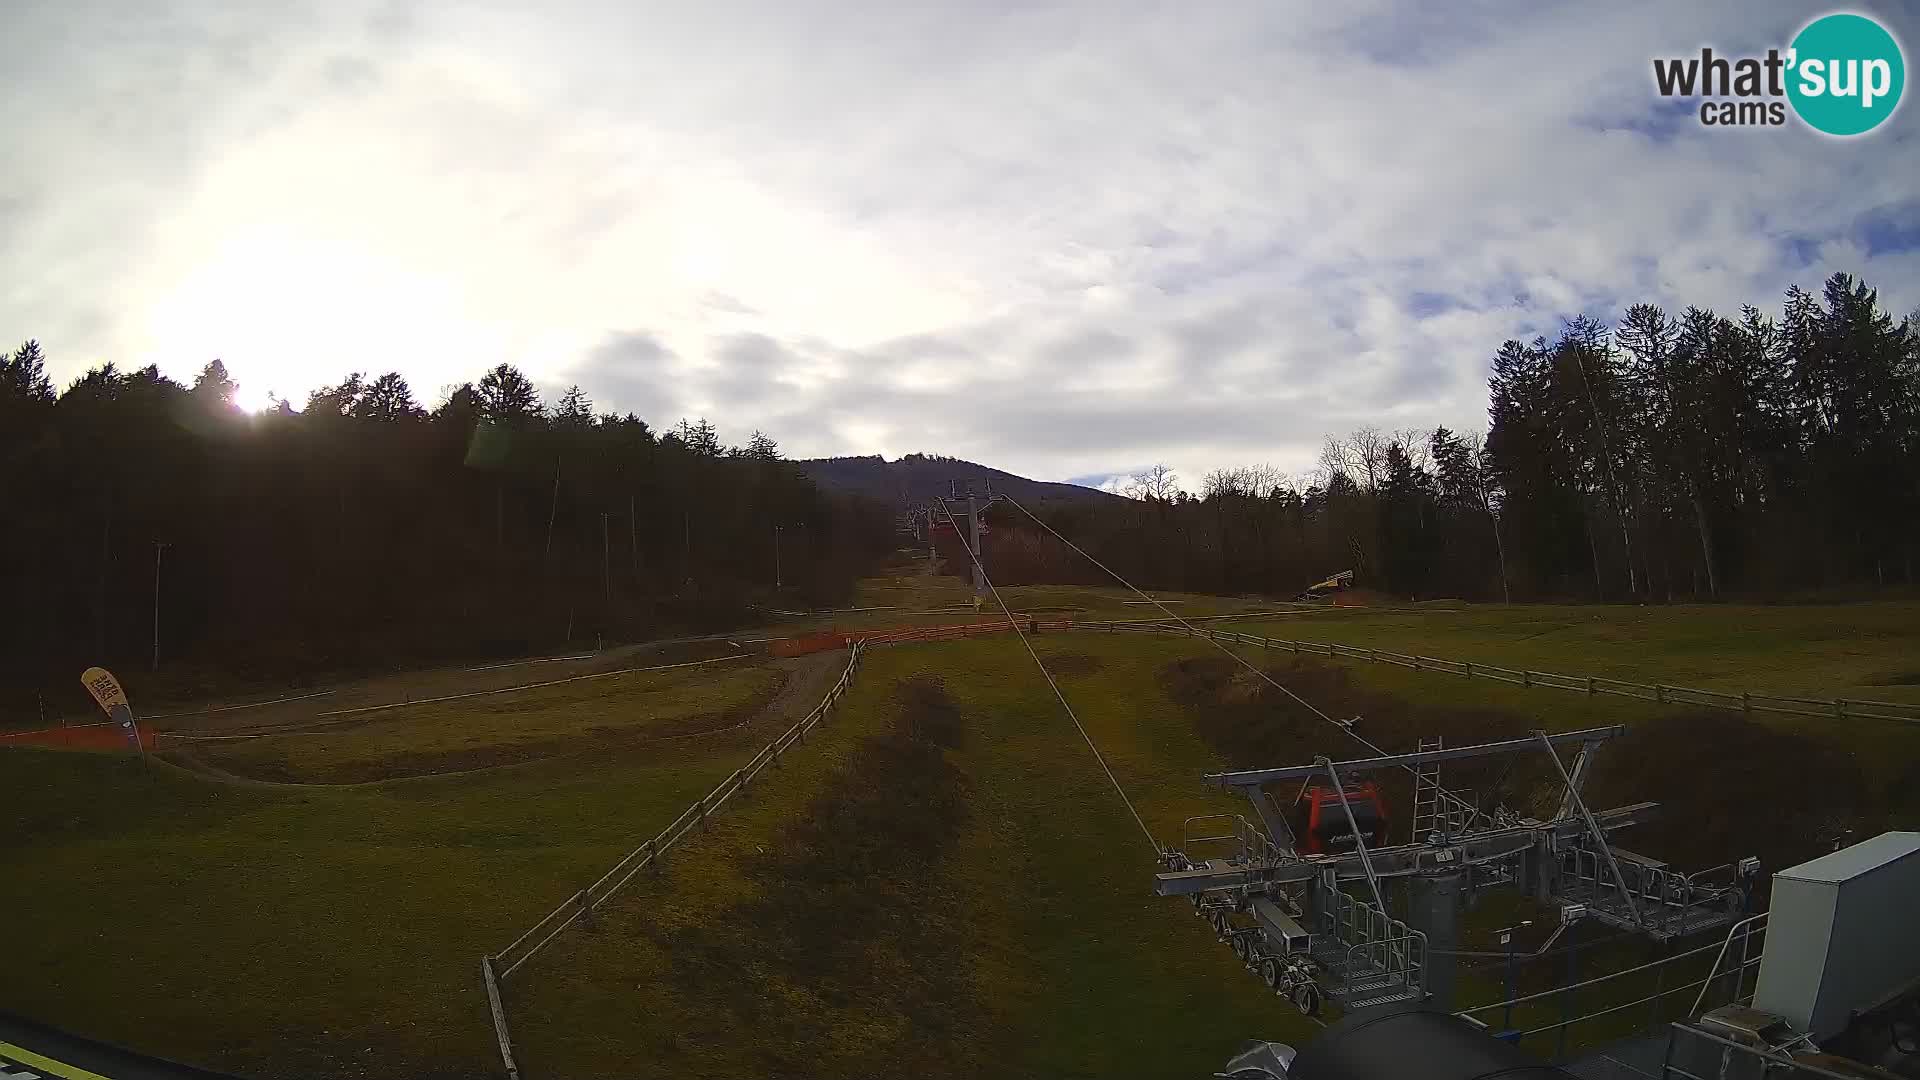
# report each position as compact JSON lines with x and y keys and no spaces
{"x":113,"y":701}
{"x":104,"y":688}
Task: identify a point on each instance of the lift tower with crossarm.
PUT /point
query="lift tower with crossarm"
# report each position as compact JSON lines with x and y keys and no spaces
{"x":976,"y":503}
{"x":1317,"y":926}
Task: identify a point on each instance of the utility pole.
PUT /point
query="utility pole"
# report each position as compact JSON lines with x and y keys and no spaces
{"x":606,"y":562}
{"x":973,"y":534}
{"x":100,"y":586}
{"x":158,"y":547}
{"x":553,"y":508}
{"x":776,"y":558}
{"x":1506,"y":940}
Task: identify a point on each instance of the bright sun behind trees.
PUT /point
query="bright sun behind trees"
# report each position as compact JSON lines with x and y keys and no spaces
{"x":366,"y":531}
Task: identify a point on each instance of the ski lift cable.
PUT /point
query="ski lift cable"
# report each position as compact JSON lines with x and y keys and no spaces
{"x":1237,"y":658}
{"x":1015,"y":624}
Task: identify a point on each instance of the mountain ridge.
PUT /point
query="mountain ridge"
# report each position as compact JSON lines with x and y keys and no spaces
{"x":916,"y":479}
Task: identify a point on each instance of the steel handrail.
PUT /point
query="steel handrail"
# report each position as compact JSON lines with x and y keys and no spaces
{"x":1722,"y":955}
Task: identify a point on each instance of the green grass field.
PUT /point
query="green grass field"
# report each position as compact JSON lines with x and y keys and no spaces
{"x":503,"y":728}
{"x":1056,"y":956}
{"x":1867,"y":650}
{"x":1003,"y":913}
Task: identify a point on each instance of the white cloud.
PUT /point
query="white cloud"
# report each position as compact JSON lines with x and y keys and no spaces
{"x":1063,"y":240}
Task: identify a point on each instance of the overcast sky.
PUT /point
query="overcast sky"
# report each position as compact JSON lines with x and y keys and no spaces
{"x":1066,"y":240}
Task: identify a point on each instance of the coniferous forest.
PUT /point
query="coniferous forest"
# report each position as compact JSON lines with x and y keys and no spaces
{"x":367,"y":532}
{"x":1691,"y":457}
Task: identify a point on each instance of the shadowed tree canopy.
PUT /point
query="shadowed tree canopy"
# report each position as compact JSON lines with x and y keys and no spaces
{"x":1696,"y":457}
{"x":507,"y":396}
{"x":362,"y":533}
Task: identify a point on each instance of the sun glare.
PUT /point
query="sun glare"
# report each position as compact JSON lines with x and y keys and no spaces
{"x":254,"y":399}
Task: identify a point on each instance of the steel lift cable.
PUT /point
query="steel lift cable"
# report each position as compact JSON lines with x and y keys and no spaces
{"x":1015,"y":624}
{"x":1237,"y":658}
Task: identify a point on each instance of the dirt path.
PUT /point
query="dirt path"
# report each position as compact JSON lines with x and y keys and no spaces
{"x":805,"y":681}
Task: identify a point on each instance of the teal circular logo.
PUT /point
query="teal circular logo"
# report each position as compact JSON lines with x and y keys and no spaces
{"x":1845,"y":75}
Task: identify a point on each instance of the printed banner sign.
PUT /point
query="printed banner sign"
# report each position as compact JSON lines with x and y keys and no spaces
{"x":113,"y":701}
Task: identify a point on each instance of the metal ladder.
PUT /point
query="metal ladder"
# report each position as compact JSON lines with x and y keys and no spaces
{"x":1435,"y":809}
{"x":1426,"y":792}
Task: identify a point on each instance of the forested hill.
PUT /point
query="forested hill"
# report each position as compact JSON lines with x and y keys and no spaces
{"x":916,"y":479}
{"x":365,"y":531}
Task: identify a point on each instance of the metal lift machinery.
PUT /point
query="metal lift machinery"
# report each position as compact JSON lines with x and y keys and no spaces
{"x":1298,"y":891}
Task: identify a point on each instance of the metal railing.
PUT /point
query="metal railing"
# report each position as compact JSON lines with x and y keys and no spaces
{"x":1715,"y":1057}
{"x":496,"y":967}
{"x":1371,"y":944}
{"x":1249,"y":846}
{"x":1745,"y":929}
{"x":1402,"y":959}
{"x":1744,"y":932}
{"x":1665,"y":899}
{"x":1591,"y":685}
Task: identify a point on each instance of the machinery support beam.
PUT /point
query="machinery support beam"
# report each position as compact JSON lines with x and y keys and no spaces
{"x":1279,"y":832}
{"x":1435,"y":903}
{"x":1401,"y":860}
{"x":1252,"y":777}
{"x":1593,"y":828}
{"x":1359,"y":841}
{"x":1577,"y":781}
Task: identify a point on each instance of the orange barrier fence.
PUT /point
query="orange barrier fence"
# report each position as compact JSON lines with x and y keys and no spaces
{"x":826,"y":640}
{"x":807,"y":643}
{"x":96,"y":736}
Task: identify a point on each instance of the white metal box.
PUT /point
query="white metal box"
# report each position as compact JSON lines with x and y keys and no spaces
{"x":1842,"y":933}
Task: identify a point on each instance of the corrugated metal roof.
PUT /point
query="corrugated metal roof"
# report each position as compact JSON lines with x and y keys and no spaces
{"x":1853,"y":861}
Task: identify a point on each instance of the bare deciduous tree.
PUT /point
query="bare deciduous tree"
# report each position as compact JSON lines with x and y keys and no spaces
{"x":1159,"y":483}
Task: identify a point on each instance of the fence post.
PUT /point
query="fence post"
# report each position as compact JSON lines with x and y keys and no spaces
{"x":1469,"y":666}
{"x":703,"y":810}
{"x":1659,"y":693}
{"x":1589,"y":686}
{"x":499,"y":1017}
{"x":654,"y":855}
{"x":1840,"y":708}
{"x":1526,"y":677}
{"x":586,"y":909}
{"x":1746,"y":703}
